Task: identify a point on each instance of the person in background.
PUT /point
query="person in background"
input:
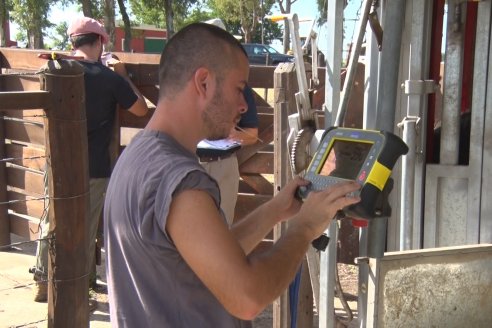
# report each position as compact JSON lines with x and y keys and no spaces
{"x":105,"y":89}
{"x":225,"y":169}
{"x":171,"y":258}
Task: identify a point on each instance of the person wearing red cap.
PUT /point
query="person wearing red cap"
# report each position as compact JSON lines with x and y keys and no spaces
{"x":105,"y":89}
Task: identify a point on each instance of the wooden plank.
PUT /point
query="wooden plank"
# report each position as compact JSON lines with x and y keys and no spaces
{"x":258,"y":183}
{"x":247,"y":203}
{"x":31,"y":115}
{"x":33,"y":158}
{"x":150,"y":92}
{"x":245,"y":188}
{"x":24,"y":132}
{"x":22,"y":59}
{"x":27,"y":205}
{"x":247,"y":152}
{"x":265,"y":120}
{"x":260,"y":163}
{"x":264,"y":109}
{"x":137,"y":58}
{"x":19,"y":83}
{"x":24,"y":227}
{"x":24,"y":100}
{"x":261,"y":76}
{"x":143,"y":73}
{"x":32,"y":183}
{"x":260,"y":100}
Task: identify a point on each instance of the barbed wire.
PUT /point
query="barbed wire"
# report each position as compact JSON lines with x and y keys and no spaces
{"x":56,"y":281}
{"x":25,"y":116}
{"x":13,"y":159}
{"x":12,"y":245}
{"x":14,"y":201}
{"x":38,"y":72}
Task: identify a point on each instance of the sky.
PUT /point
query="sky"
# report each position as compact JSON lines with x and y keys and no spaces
{"x":305,"y":9}
{"x":308,"y":9}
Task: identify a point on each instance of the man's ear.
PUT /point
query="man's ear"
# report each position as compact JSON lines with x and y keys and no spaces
{"x":202,"y":79}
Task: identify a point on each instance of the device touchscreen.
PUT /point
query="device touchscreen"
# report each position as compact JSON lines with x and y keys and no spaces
{"x":345,"y":159}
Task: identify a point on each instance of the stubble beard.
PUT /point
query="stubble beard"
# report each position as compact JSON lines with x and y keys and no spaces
{"x":213,"y":118}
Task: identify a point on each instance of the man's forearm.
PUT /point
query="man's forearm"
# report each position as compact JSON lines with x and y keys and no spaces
{"x":275,"y":268}
{"x":251,"y":230}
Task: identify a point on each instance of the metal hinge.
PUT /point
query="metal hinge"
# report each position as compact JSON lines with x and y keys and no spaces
{"x":419,"y":87}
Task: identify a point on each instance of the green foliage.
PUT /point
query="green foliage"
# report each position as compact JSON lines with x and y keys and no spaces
{"x":322,"y":12}
{"x":21,"y":37}
{"x":245,"y":17}
{"x":272,"y":31}
{"x":152,"y":12}
{"x":181,"y":10}
{"x":149,"y":12}
{"x":32,"y":16}
{"x":197,"y":15}
{"x":59,"y":37}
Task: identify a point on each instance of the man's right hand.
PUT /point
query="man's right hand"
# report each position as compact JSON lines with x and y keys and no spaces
{"x":117,"y":66}
{"x":320,"y":207}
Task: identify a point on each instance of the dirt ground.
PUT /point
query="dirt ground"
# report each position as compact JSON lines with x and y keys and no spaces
{"x":348,"y":275}
{"x":17,"y":290}
{"x":348,"y":280}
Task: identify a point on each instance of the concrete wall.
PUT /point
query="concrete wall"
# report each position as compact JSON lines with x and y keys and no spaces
{"x":440,"y":287}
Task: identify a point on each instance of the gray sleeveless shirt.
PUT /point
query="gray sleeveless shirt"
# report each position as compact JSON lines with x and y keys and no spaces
{"x":149,"y":283}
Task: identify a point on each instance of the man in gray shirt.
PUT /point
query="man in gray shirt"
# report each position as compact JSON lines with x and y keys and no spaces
{"x":172,"y":261}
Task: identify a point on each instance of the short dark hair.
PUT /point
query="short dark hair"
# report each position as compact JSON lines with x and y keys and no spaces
{"x":83,"y":39}
{"x":196,"y":45}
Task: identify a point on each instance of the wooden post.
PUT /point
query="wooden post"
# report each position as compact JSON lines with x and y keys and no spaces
{"x":284,"y":78}
{"x":285,"y":87}
{"x":67,"y":157}
{"x":4,"y":217}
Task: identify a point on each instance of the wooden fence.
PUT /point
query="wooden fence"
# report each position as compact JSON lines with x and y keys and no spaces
{"x":35,"y":139}
{"x":24,"y":131}
{"x":38,"y":134}
{"x":25,"y":144}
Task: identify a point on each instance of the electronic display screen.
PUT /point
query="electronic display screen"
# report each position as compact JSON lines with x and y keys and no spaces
{"x":345,"y":159}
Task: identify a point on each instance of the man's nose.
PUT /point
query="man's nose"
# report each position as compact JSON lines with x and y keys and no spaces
{"x":244,"y":105}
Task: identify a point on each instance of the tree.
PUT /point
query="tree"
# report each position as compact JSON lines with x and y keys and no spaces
{"x":285,"y":6}
{"x":87,"y":8}
{"x":322,"y":9}
{"x":196,"y":15}
{"x":247,"y":14}
{"x":60,"y":37}
{"x":4,"y":18}
{"x":163,"y":13}
{"x":32,"y":17}
{"x":109,"y":23}
{"x":168,"y":9}
{"x":128,"y":29}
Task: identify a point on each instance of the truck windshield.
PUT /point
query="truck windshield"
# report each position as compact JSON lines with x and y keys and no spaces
{"x":271,"y":50}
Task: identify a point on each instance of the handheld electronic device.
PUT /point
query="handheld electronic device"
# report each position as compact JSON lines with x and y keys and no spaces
{"x":366,"y":156}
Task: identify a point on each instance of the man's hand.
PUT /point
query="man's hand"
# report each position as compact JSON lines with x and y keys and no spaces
{"x":320,"y":207}
{"x":117,"y":66}
{"x":285,"y":203}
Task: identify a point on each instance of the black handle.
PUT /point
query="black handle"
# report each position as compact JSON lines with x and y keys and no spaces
{"x":321,"y":242}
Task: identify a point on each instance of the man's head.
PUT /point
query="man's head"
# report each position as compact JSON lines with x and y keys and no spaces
{"x":87,"y":31}
{"x":197,"y":45}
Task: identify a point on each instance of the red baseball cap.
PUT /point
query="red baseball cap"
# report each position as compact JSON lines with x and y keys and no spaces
{"x":86,"y":25}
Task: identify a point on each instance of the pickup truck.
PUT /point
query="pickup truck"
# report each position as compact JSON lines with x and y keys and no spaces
{"x":262,"y":54}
